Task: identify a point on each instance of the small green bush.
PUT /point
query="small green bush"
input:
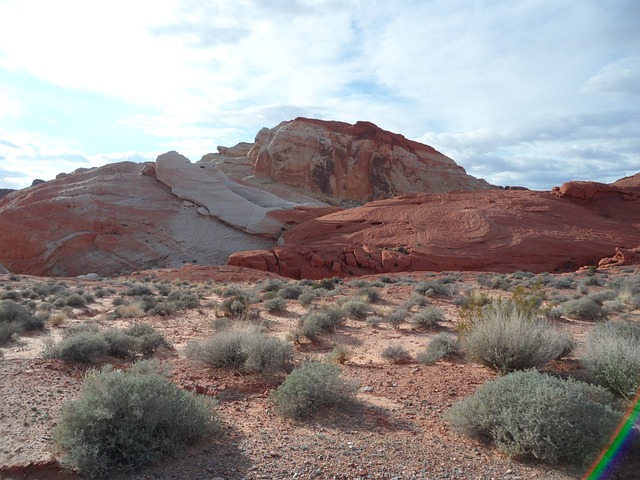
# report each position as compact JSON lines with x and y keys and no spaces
{"x":432,"y":288}
{"x":275,"y":305}
{"x":506,"y":338}
{"x":85,"y":343}
{"x":183,"y":300}
{"x":415,"y":300}
{"x":120,"y":344}
{"x":266,"y":354}
{"x":76,"y":300}
{"x":310,"y":387}
{"x":129,"y":310}
{"x":356,"y":309}
{"x":396,"y":317}
{"x":440,"y":346}
{"x":243,"y":348}
{"x":562,"y":283}
{"x":368,"y":294}
{"x":148,"y":339}
{"x":315,"y":323}
{"x":83,"y":347}
{"x":272,"y":285}
{"x":583,"y":309}
{"x":496,"y":282}
{"x":290,"y":292}
{"x":10,"y":295}
{"x":307,"y":297}
{"x":319,"y":321}
{"x":126,"y":420}
{"x":15,"y":318}
{"x":236,"y":306}
{"x":224,"y":349}
{"x":531,"y":414}
{"x":327,"y":283}
{"x":612,"y":356}
{"x":138,"y":290}
{"x":163,"y":308}
{"x":396,"y":354}
{"x":429,"y":317}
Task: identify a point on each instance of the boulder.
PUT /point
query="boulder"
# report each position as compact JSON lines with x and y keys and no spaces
{"x":361,"y":162}
{"x":622,"y":256}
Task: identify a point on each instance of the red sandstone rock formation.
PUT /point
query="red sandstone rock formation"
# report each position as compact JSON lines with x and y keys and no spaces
{"x":623,"y":256}
{"x":125,"y":217}
{"x":496,"y":230}
{"x":360,"y":162}
{"x":110,"y":220}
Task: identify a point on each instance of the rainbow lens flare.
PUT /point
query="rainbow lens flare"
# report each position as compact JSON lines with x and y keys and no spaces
{"x":623,"y":432}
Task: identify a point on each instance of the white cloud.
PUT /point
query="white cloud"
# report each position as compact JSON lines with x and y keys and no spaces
{"x":618,"y":77}
{"x":25,"y":156}
{"x":514,"y":84}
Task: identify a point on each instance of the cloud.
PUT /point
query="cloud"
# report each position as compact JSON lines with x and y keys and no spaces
{"x":548,"y":150}
{"x":26,"y":156}
{"x":617,"y":77}
{"x":501,"y":87}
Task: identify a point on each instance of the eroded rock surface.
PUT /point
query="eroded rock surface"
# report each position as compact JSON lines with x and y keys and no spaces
{"x":360,"y":162}
{"x":203,"y":183}
{"x":111,"y":220}
{"x":496,"y":230}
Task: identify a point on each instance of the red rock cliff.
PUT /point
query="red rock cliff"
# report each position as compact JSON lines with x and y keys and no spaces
{"x":358,"y":162}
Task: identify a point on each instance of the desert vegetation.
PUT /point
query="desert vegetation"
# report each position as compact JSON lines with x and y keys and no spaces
{"x":509,"y":361}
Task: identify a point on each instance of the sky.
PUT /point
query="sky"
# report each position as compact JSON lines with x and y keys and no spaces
{"x":529,"y":92}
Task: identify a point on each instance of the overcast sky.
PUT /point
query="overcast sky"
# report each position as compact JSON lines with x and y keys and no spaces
{"x":527,"y":92}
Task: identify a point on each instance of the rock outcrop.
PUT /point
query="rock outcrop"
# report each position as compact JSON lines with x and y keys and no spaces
{"x":3,"y":269}
{"x":361,"y":162}
{"x":496,"y":230}
{"x":260,"y":206}
{"x":5,"y":191}
{"x":111,"y":220}
{"x":204,"y":184}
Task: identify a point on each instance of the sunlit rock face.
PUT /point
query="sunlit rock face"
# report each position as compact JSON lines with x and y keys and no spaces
{"x":111,"y":220}
{"x":358,"y":162}
{"x":493,"y":230}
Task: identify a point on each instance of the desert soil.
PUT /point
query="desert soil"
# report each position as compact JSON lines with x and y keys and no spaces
{"x":395,"y":430}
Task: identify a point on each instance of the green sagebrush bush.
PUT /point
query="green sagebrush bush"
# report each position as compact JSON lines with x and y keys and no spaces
{"x":244,"y":348}
{"x":396,"y":354}
{"x":15,"y":318}
{"x":123,"y":421}
{"x":310,"y":387}
{"x":396,"y":317}
{"x":356,"y":309}
{"x":508,"y":338}
{"x":429,"y":317}
{"x":275,"y":305}
{"x":612,"y":356}
{"x":82,"y":347}
{"x":531,"y":414}
{"x":319,"y":321}
{"x":86,"y":343}
{"x":583,"y":308}
{"x":440,"y":346}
